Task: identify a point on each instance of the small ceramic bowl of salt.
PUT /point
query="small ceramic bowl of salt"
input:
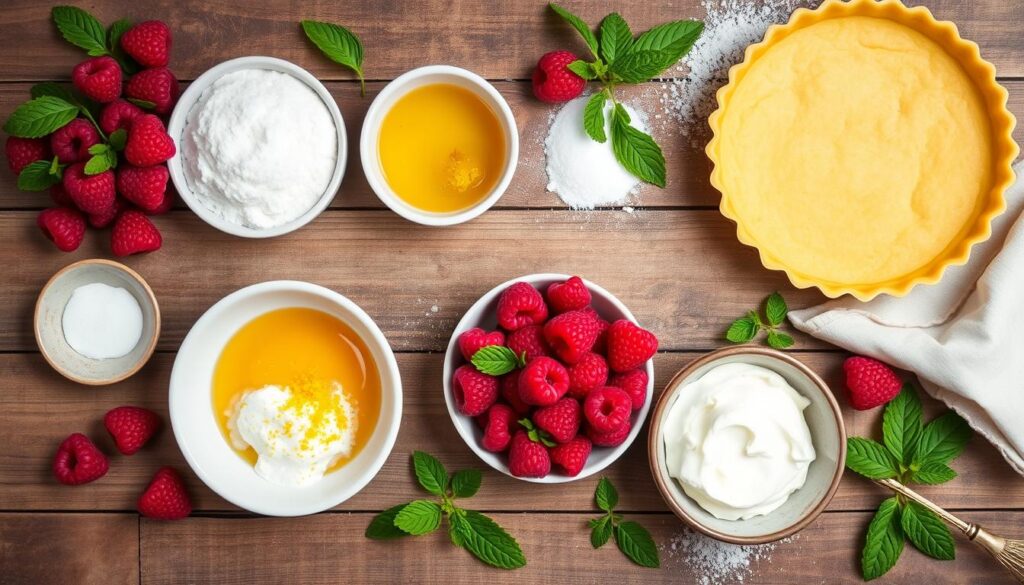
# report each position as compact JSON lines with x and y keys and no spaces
{"x":97,"y":322}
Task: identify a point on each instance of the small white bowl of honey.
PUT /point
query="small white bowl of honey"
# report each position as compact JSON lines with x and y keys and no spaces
{"x":439,"y":145}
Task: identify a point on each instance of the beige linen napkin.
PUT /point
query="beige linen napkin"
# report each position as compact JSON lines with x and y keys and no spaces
{"x":963,"y":337}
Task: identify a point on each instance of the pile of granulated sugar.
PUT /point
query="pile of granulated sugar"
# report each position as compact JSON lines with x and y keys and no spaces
{"x":729,"y":27}
{"x":714,"y":562}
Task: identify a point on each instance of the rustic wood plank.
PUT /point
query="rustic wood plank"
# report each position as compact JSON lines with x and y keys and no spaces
{"x":84,"y":549}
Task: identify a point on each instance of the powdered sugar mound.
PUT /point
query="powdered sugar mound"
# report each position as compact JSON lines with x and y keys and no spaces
{"x":714,"y":562}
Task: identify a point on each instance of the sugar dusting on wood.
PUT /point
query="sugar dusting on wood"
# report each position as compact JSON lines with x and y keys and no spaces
{"x":713,"y":562}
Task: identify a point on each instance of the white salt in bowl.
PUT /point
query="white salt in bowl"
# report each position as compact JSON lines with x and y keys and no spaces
{"x":177,"y":125}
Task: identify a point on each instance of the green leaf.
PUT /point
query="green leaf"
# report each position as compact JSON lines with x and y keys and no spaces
{"x":775,"y":309}
{"x":339,"y":44}
{"x":578,"y":24}
{"x":48,"y":88}
{"x":884,"y":541}
{"x":927,"y":532}
{"x":118,"y":138}
{"x":636,"y":543}
{"x":616,"y":38}
{"x":942,"y":439}
{"x":933,"y":473}
{"x":114,"y":33}
{"x":594,"y":118}
{"x":382,"y":527}
{"x":456,"y":520}
{"x":98,"y":148}
{"x":672,"y":39}
{"x":780,"y":340}
{"x":419,"y":517}
{"x":636,"y":151}
{"x":466,"y":483}
{"x":430,"y":472}
{"x":638,"y":66}
{"x":81,"y":29}
{"x":36,"y":176}
{"x":97,"y":164}
{"x":495,"y":360}
{"x":582,"y":68}
{"x":487,"y":541}
{"x":742,"y":330}
{"x":144,"y":104}
{"x":41,"y":116}
{"x":56,"y":168}
{"x":601,"y":531}
{"x":901,"y":424}
{"x":870,"y":459}
{"x":606,"y":496}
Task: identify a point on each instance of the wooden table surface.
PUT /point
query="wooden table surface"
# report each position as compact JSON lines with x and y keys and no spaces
{"x":675,"y":261}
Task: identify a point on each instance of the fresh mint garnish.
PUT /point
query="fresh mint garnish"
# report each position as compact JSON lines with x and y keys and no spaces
{"x":927,"y":532}
{"x":144,"y":104}
{"x":40,"y":116}
{"x":884,"y":542}
{"x":632,"y":539}
{"x":37,"y":176}
{"x":84,"y":31}
{"x":746,"y":328}
{"x":339,"y":45}
{"x":497,"y":360}
{"x":535,"y":434}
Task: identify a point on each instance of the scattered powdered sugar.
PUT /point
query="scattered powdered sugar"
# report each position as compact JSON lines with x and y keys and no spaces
{"x":717,"y":563}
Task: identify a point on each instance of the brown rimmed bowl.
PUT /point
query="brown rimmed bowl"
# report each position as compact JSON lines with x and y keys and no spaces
{"x":824,"y":419}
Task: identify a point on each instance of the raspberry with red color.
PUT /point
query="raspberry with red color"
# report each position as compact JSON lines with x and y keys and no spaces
{"x":561,"y":420}
{"x":143,"y":186}
{"x":526,"y":458}
{"x":553,"y":82}
{"x":571,"y":335}
{"x":528,"y":340}
{"x":133,"y":233}
{"x":22,"y":152}
{"x":601,"y":345}
{"x":607,"y":409}
{"x":78,"y":461}
{"x":586,"y":375}
{"x":500,"y":422}
{"x":131,"y":426}
{"x":634,"y":383}
{"x":106,"y":217}
{"x":71,"y":143}
{"x":572,"y":456}
{"x":157,"y":86}
{"x":610,"y":439}
{"x":98,"y":78}
{"x":118,"y":115}
{"x":571,"y":295}
{"x":543,"y":381}
{"x":520,"y":305}
{"x":166,"y":206}
{"x":474,"y":339}
{"x":165,"y":497}
{"x":148,"y":142}
{"x":64,"y":226}
{"x":91,"y":193}
{"x":149,"y":43}
{"x":870,"y":382}
{"x":474,"y":391}
{"x":629,"y":346}
{"x":510,"y":392}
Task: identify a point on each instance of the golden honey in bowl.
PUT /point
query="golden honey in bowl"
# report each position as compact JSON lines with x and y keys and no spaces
{"x":441,"y":148}
{"x":297,"y":394}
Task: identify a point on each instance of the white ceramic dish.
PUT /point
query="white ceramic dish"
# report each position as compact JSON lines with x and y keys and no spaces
{"x":179,"y":118}
{"x":200,"y":438}
{"x":483,"y":314}
{"x":401,"y":86}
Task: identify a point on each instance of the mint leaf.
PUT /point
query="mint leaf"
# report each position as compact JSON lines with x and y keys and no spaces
{"x":884,"y":541}
{"x":118,"y":138}
{"x":933,"y":474}
{"x":636,"y":151}
{"x":144,"y":104}
{"x":81,"y":29}
{"x":97,"y":164}
{"x":56,"y":169}
{"x":638,"y":66}
{"x":942,"y":439}
{"x":600,"y":531}
{"x":593,"y":116}
{"x":339,"y":45}
{"x":466,"y":483}
{"x":419,"y":517}
{"x":742,"y":330}
{"x":672,"y":40}
{"x":41,"y":116}
{"x":901,"y":424}
{"x":114,"y":34}
{"x":636,"y":543}
{"x":430,"y":472}
{"x":927,"y":532}
{"x":495,"y":360}
{"x":36,"y":176}
{"x":775,"y":309}
{"x":606,"y":496}
{"x":456,"y":527}
{"x":616,"y":38}
{"x":582,"y":68}
{"x":779,"y":340}
{"x":48,"y":88}
{"x":578,"y":24}
{"x":487,"y":541}
{"x":382,"y":527}
{"x":98,"y":148}
{"x":869,"y":459}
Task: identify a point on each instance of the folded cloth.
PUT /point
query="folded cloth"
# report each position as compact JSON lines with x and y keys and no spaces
{"x":963,"y":337}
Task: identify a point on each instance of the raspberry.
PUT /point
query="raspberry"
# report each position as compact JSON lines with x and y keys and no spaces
{"x":607,"y":409}
{"x":543,"y":381}
{"x":149,"y":43}
{"x":148,"y":142}
{"x":552,"y":80}
{"x":629,"y":346}
{"x":510,"y":392}
{"x":571,"y":335}
{"x":98,"y":78}
{"x":572,"y":456}
{"x":472,"y":340}
{"x":526,"y":458}
{"x":612,"y":439}
{"x":601,"y":345}
{"x":561,"y":420}
{"x":521,"y":305}
{"x":143,"y":186}
{"x":166,"y":206}
{"x":71,"y":143}
{"x":22,"y":152}
{"x":106,"y":217}
{"x":870,"y":382}
{"x":157,"y":86}
{"x":133,"y":233}
{"x":165,"y":497}
{"x":131,"y":427}
{"x":589,"y":373}
{"x":571,"y":295}
{"x":500,"y":422}
{"x":118,"y":115}
{"x":634,"y":383}
{"x":91,"y":193}
{"x":78,"y":461}
{"x":64,"y":226}
{"x":474,"y":391}
{"x":529,"y":339}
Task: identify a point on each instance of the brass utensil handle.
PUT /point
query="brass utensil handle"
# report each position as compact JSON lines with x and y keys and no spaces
{"x":967,"y":528}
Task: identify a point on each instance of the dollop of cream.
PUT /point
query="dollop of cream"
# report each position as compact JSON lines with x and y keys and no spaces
{"x":737,"y":442}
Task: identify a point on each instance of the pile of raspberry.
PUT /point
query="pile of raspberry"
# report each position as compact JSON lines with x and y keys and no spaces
{"x":582,"y":380}
{"x":125,"y":196}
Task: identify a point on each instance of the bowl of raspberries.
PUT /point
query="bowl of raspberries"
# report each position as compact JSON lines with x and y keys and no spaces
{"x":548,"y":378}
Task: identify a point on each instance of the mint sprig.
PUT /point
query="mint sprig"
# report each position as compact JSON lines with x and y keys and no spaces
{"x":40,"y":116}
{"x":38,"y":176}
{"x":497,"y":360}
{"x":746,"y":328}
{"x":632,"y":539}
{"x":83,"y":30}
{"x":475,"y":532}
{"x":339,"y":45}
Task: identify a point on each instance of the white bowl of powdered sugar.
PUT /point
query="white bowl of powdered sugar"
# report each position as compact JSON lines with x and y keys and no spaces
{"x":262,"y":147}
